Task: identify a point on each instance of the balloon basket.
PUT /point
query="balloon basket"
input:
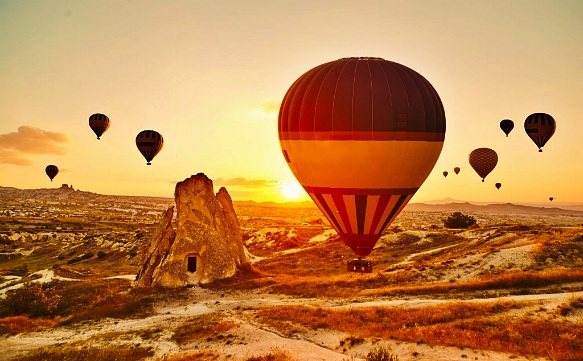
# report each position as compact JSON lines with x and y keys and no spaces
{"x":359,"y":265}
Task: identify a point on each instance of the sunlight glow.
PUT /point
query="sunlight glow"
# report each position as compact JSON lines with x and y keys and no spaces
{"x":291,"y":190}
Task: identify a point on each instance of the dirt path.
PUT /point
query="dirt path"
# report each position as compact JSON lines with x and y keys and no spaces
{"x":253,"y":338}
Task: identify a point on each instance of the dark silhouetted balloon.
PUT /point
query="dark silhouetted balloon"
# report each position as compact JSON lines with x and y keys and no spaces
{"x":498,"y":185}
{"x":361,"y":135}
{"x":457,"y":170}
{"x":483,"y":160}
{"x":551,"y":199}
{"x":149,"y":143}
{"x":99,"y":123}
{"x":445,"y":173}
{"x":52,"y":171}
{"x":506,"y":125}
{"x":540,"y":127}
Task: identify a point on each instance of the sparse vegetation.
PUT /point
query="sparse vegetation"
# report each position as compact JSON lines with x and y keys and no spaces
{"x":459,"y":220}
{"x":381,"y":353}
{"x":479,"y":326}
{"x":208,"y":326}
{"x":88,"y":354}
{"x":33,"y":299}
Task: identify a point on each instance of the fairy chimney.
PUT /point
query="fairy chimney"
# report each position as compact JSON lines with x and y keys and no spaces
{"x":207,"y":244}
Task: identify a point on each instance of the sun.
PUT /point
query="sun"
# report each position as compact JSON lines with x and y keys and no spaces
{"x":291,"y":190}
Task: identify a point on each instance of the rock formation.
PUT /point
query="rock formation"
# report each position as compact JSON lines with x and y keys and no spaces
{"x":207,"y":244}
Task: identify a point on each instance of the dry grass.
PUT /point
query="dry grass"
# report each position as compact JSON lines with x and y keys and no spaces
{"x":275,"y":355}
{"x":22,"y":324}
{"x":205,"y":355}
{"x":400,"y":283}
{"x":478,"y":326}
{"x":65,"y":353}
{"x":208,"y":327}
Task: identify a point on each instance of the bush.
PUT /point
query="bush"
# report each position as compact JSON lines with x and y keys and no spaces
{"x":459,"y":220}
{"x":32,"y":299}
{"x":101,"y":254}
{"x":380,"y":353}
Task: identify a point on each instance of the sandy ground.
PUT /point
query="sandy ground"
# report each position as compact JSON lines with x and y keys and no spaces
{"x":252,"y":339}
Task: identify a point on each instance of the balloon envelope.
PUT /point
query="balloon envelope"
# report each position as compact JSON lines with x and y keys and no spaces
{"x":149,"y":143}
{"x":540,"y":127}
{"x":457,"y":170}
{"x":506,"y":125}
{"x":551,"y":199}
{"x":483,"y":160}
{"x":361,"y":135}
{"x":99,"y":123}
{"x":52,"y":171}
{"x":498,"y":185}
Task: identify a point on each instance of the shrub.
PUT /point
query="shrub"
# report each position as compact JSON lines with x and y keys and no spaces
{"x":32,"y":299}
{"x":381,"y":353}
{"x":101,"y":254}
{"x":459,"y":220}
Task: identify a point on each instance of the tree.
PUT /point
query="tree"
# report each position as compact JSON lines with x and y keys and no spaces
{"x":459,"y":220}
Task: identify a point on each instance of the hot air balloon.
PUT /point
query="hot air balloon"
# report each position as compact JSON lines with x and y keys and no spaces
{"x":99,"y":123}
{"x":149,"y":143}
{"x":457,"y":170}
{"x":445,"y":173}
{"x":52,"y":171}
{"x":498,"y":185}
{"x":483,"y":160}
{"x":361,"y":135}
{"x":506,"y":125}
{"x":551,"y":199}
{"x":540,"y":127}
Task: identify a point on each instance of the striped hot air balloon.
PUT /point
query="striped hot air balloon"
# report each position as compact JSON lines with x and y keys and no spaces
{"x":52,"y":171}
{"x":540,"y":127}
{"x":99,"y":123}
{"x":361,"y":135}
{"x":149,"y":143}
{"x":483,"y":160}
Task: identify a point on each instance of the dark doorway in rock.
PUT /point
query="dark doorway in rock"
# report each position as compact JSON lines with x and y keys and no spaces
{"x":191,"y":264}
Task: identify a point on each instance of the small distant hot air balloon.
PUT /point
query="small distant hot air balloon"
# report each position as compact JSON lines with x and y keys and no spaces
{"x":149,"y":143}
{"x":506,"y":125}
{"x":540,"y":127}
{"x":361,"y":135}
{"x":483,"y":160}
{"x":551,"y":199}
{"x":457,"y":170}
{"x":445,"y":173}
{"x":498,"y":185}
{"x":52,"y":171}
{"x":99,"y":123}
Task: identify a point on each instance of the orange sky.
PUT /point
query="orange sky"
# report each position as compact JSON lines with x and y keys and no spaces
{"x":209,"y":76}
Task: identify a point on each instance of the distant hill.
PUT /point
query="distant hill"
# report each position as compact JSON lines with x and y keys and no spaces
{"x":498,"y":208}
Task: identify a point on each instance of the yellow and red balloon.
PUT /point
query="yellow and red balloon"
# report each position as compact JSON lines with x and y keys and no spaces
{"x":361,"y":135}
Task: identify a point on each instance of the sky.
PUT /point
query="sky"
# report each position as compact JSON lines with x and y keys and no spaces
{"x":210,"y":76}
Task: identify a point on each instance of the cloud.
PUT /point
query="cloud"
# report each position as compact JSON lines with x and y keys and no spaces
{"x":244,"y":182}
{"x":267,"y":110}
{"x":15,"y":146}
{"x":269,"y":106}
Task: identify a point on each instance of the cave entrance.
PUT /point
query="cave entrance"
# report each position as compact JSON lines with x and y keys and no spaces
{"x":191,"y":264}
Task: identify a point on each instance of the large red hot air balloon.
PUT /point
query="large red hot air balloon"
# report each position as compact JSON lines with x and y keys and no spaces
{"x":149,"y":143}
{"x":483,"y":160}
{"x":540,"y":127}
{"x":361,"y":135}
{"x":99,"y":123}
{"x":52,"y":171}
